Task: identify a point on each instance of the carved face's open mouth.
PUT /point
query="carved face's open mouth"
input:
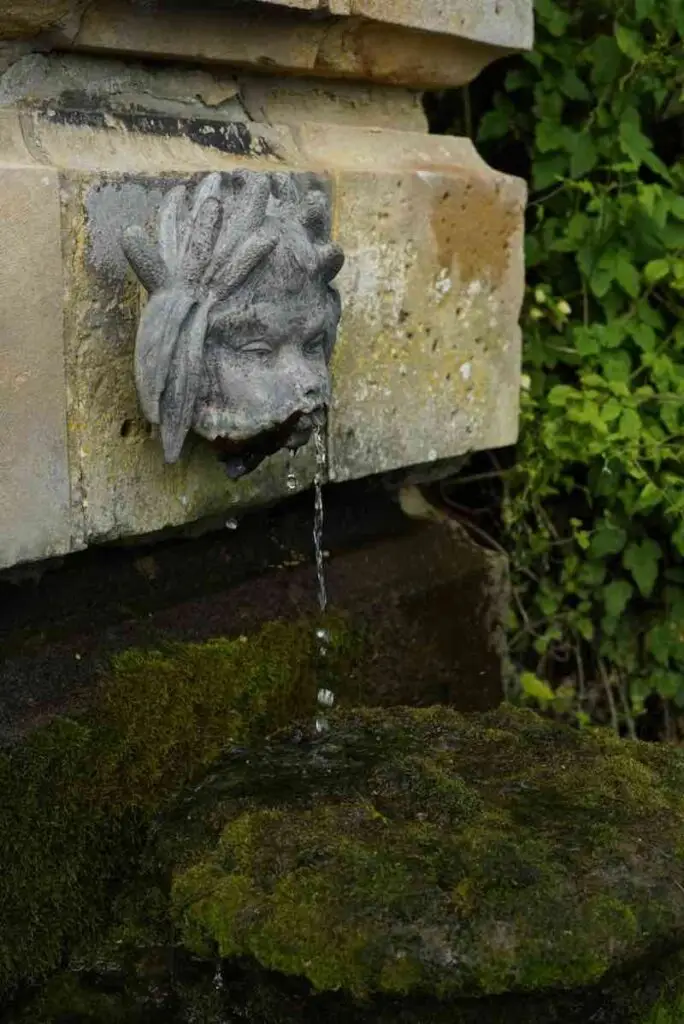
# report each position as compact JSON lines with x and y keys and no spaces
{"x":242,"y":457}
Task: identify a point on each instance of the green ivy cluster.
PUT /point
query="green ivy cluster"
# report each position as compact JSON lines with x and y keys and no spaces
{"x":594,"y":506}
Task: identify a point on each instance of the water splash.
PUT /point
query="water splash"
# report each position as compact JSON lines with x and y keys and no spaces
{"x":218,"y":977}
{"x":291,"y":482}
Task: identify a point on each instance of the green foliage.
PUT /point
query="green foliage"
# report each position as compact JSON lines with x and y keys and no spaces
{"x":594,"y":507}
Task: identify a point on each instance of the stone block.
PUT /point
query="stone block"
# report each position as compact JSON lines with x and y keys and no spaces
{"x":426,"y":603}
{"x":29,"y":17}
{"x":48,"y":80}
{"x":508,"y":24}
{"x":34,"y":473}
{"x":427,"y":362}
{"x":423,"y":45}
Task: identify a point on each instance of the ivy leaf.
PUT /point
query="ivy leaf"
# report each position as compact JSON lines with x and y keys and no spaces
{"x":656,"y":270}
{"x":535,"y":688}
{"x":560,"y":394}
{"x":547,"y":172}
{"x":607,"y":60}
{"x":550,"y":135}
{"x":583,"y":156}
{"x":673,"y":236}
{"x":608,"y":540}
{"x":572,"y":86}
{"x":650,"y":496}
{"x":637,"y":146}
{"x":554,"y":19}
{"x":611,"y":410}
{"x":517,"y":79}
{"x":678,"y":538}
{"x":644,"y":9}
{"x":627,"y":276}
{"x":616,"y":597}
{"x":586,"y":628}
{"x":534,"y":253}
{"x":495,"y":124}
{"x":603,"y":275}
{"x":641,"y":558}
{"x":669,"y":415}
{"x":617,"y":367}
{"x":659,"y":643}
{"x":644,"y":335}
{"x":630,"y":423}
{"x":629,"y":42}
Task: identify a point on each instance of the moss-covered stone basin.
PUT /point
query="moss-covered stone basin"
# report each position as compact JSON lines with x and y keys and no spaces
{"x":420,"y":851}
{"x":78,"y":795}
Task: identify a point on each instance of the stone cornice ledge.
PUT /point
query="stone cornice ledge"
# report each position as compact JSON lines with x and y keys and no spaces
{"x":506,"y":23}
{"x":435,"y":44}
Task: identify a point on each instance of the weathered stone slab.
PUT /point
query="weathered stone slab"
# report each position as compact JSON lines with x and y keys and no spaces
{"x":423,"y":45}
{"x":28,"y":17}
{"x":34,"y":475}
{"x":427,"y":362}
{"x":497,"y":22}
{"x":504,"y":23}
{"x":49,"y":80}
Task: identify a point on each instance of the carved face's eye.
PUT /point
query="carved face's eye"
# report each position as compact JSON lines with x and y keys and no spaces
{"x":314,"y":346}
{"x":257,"y":348}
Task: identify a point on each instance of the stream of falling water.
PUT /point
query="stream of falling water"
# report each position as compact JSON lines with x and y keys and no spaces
{"x":319,"y":517}
{"x":326,"y":698}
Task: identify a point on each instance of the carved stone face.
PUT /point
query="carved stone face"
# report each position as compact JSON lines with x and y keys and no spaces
{"x":236,"y":338}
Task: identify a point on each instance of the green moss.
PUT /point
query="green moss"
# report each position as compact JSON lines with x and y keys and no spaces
{"x":418,"y":850}
{"x":65,"y":998}
{"x":187,"y":991}
{"x":78,"y":795}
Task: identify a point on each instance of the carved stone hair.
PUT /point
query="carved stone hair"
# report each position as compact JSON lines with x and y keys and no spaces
{"x":207,"y":247}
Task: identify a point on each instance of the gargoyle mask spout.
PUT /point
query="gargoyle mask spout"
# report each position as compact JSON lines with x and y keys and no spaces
{"x":235,"y":340}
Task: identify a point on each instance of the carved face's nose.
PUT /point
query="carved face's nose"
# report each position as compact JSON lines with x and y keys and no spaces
{"x":312,"y":389}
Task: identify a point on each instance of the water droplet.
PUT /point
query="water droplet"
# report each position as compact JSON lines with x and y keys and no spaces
{"x":291,"y":482}
{"x":326,"y":698}
{"x":232,"y":524}
{"x":323,"y":634}
{"x":322,"y":725}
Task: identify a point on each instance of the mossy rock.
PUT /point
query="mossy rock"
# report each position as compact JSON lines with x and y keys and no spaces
{"x":185,"y":991}
{"x":79,"y":795}
{"x":420,"y":851}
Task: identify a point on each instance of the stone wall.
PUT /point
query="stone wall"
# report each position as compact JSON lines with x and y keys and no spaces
{"x":103,"y":106}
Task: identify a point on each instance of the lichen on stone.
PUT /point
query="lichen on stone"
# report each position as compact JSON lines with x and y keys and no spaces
{"x":423,"y":851}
